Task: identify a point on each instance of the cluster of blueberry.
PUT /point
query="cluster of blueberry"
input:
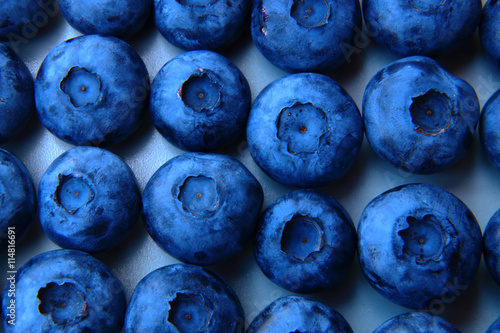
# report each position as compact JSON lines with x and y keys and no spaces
{"x":204,"y":208}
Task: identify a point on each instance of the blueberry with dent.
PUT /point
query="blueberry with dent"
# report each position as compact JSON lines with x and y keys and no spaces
{"x":429,"y":124}
{"x":299,"y":314}
{"x":17,"y":99}
{"x":114,"y":18}
{"x":304,"y":130}
{"x":65,"y":291}
{"x":489,"y":29}
{"x":491,"y":247}
{"x":200,"y":101}
{"x":305,"y":241}
{"x":17,"y":199}
{"x":184,"y":298}
{"x":305,"y":35}
{"x":489,"y":129}
{"x":89,"y":200}
{"x":202,"y":208}
{"x":416,"y":322}
{"x":422,"y":27}
{"x":418,"y":243}
{"x":20,"y":19}
{"x":201,"y":24}
{"x":92,"y":90}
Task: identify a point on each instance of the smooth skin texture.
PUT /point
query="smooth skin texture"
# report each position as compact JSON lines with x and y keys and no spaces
{"x":17,"y":97}
{"x":422,"y":27}
{"x":418,"y":242}
{"x":416,"y":322}
{"x":489,"y":29}
{"x":489,"y":129}
{"x":184,"y":298}
{"x":92,"y":90}
{"x":200,"y":101}
{"x":418,"y":117}
{"x":305,"y":241}
{"x":19,"y":19}
{"x":89,"y":200}
{"x":17,"y":199}
{"x":107,"y":17}
{"x":304,"y":130}
{"x":65,"y":291}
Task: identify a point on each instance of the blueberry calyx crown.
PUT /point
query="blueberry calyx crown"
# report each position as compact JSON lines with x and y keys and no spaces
{"x":302,"y":236}
{"x":201,"y":92}
{"x":197,"y":3}
{"x":310,"y":13}
{"x":82,"y":86}
{"x":431,"y":112}
{"x":189,"y":313}
{"x":73,"y":192}
{"x":64,"y":303}
{"x":198,"y":194}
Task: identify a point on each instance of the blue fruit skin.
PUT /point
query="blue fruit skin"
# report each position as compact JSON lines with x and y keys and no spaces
{"x":320,"y":269}
{"x":337,"y":145}
{"x":420,"y":27}
{"x":403,"y":277}
{"x":489,"y":131}
{"x":215,"y":234}
{"x":401,"y":138}
{"x":18,"y":14}
{"x":201,"y":24}
{"x":17,"y":99}
{"x":294,"y":47}
{"x":491,"y":248}
{"x":17,"y":198}
{"x":102,"y":292}
{"x":298,"y":314}
{"x":494,"y":327}
{"x":416,"y":322}
{"x":115,"y":18}
{"x":107,"y":218}
{"x":123,"y":95}
{"x":151,"y":302}
{"x":209,"y":128}
{"x":489,"y":29}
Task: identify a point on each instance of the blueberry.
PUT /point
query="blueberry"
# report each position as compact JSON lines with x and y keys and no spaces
{"x":92,"y":90}
{"x":184,"y":298}
{"x":417,"y":244}
{"x":89,"y":200}
{"x":298,"y":314}
{"x":422,"y":27}
{"x":489,"y":29}
{"x":17,"y":101}
{"x":492,"y":246}
{"x":489,"y":132}
{"x":115,"y":18}
{"x":494,"y":327}
{"x":17,"y":199}
{"x":304,"y":130}
{"x":64,"y":291}
{"x":418,"y":117}
{"x":416,"y":322}
{"x":305,"y":241}
{"x":305,"y":35}
{"x":20,"y":19}
{"x":202,"y":208}
{"x":201,"y":24}
{"x":200,"y":101}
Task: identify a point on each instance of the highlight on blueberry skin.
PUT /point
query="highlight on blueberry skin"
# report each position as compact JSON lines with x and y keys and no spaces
{"x":416,"y":322}
{"x":299,"y":314}
{"x":114,"y":18}
{"x":184,"y":298}
{"x":418,"y":243}
{"x":491,"y":248}
{"x":201,"y":24}
{"x":200,"y":101}
{"x":304,"y":130}
{"x":422,"y":27}
{"x":92,"y":90}
{"x":17,"y":97}
{"x":305,"y":35}
{"x":65,"y":291}
{"x":202,"y":208}
{"x":89,"y":200}
{"x":489,"y":29}
{"x":305,"y":241}
{"x":418,"y":117}
{"x":20,"y":18}
{"x":17,"y":199}
{"x":494,"y":327}
{"x":489,"y":129}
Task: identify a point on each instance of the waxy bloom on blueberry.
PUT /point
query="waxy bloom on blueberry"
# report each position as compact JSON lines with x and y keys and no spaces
{"x":416,"y":322}
{"x":489,"y":29}
{"x":489,"y":129}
